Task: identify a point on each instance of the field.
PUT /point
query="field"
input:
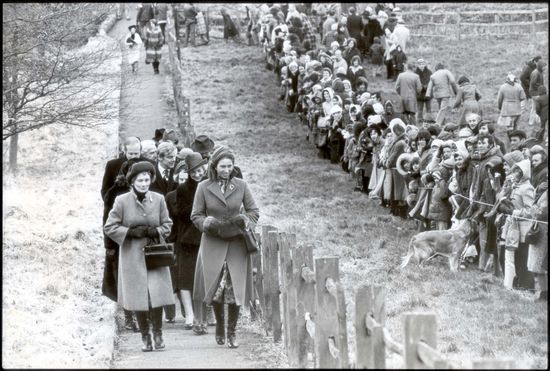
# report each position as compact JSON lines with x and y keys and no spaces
{"x":234,"y":100}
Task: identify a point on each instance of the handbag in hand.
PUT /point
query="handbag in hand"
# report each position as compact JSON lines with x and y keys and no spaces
{"x":159,"y":255}
{"x":533,"y":234}
{"x":250,"y":241}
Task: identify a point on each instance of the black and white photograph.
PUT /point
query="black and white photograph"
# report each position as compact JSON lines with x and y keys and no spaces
{"x":275,"y":185}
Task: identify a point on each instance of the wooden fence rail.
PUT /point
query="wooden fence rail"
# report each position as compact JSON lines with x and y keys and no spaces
{"x":303,"y":304}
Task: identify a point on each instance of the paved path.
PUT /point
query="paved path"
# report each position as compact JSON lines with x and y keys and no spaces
{"x":143,"y":109}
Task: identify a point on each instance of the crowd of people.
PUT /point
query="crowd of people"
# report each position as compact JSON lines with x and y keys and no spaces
{"x":156,"y":191}
{"x":420,"y":165}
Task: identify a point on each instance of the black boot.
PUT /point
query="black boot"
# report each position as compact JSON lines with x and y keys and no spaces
{"x":147,"y":343}
{"x":129,"y":321}
{"x":220,"y":324}
{"x":233,"y":316}
{"x":157,"y":336}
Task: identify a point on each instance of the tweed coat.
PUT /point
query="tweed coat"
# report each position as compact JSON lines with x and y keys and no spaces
{"x":408,"y":86}
{"x":153,"y":44}
{"x":135,"y":281}
{"x":509,"y":99}
{"x":213,"y":251}
{"x":442,"y":84}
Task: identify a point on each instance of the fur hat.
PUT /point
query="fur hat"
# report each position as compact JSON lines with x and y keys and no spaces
{"x":202,"y":144}
{"x":158,"y":134}
{"x":141,"y":167}
{"x":538,"y":149}
{"x":434,"y":129}
{"x":397,"y":126}
{"x":412,"y":132}
{"x":513,"y":157}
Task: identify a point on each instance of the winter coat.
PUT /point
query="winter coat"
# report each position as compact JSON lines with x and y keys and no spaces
{"x":525,"y":76}
{"x":210,"y":201}
{"x":509,"y":99}
{"x":442,"y":84}
{"x":133,"y":42}
{"x":145,"y":13}
{"x":229,"y":28}
{"x":399,"y":59}
{"x":160,"y":185}
{"x":153,"y":44}
{"x":373,"y":29}
{"x":161,"y":11}
{"x":538,"y":176}
{"x":112,"y":168}
{"x":135,"y":282}
{"x":464,"y":177}
{"x":440,"y":207}
{"x":424,"y":80}
{"x":399,"y":187}
{"x":377,"y":171}
{"x":467,"y":96}
{"x":523,"y":198}
{"x":538,"y":251}
{"x":536,"y":80}
{"x":377,"y":53}
{"x":355,"y":26}
{"x":402,"y":35}
{"x":494,"y":157}
{"x":348,"y":54}
{"x":353,"y":76}
{"x":408,"y":86}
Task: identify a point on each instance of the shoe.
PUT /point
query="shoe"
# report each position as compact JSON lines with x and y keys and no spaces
{"x":147,"y":343}
{"x":188,"y":326}
{"x":170,"y":320}
{"x":159,"y":343}
{"x":199,"y":330}
{"x":232,"y":341}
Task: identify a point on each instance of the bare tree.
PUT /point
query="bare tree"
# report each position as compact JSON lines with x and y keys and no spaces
{"x":49,"y":77}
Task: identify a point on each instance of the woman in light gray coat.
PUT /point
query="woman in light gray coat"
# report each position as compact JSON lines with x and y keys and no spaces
{"x":223,"y":274}
{"x":137,"y":217}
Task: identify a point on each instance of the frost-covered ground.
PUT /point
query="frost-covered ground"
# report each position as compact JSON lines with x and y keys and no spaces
{"x":54,"y":315}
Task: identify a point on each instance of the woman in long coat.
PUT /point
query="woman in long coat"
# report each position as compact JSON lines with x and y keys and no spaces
{"x":224,"y":267}
{"x":398,"y":190}
{"x":153,"y":44}
{"x":468,"y":97}
{"x":187,"y":237}
{"x":137,"y":217}
{"x":133,"y":42}
{"x":539,"y":251}
{"x":230,"y":31}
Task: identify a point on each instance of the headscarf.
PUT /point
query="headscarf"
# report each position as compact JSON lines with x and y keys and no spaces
{"x":220,"y":153}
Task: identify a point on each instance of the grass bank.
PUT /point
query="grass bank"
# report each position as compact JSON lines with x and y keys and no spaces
{"x":234,"y":100}
{"x":53,"y":312}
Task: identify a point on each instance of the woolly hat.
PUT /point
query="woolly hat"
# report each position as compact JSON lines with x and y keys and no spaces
{"x":449,"y":163}
{"x":184,"y":152}
{"x":334,"y":44}
{"x":329,"y":70}
{"x":378,"y":108}
{"x":334,"y":26}
{"x":451,"y":126}
{"x":461,"y":149}
{"x":335,"y":109}
{"x":465,"y":133}
{"x":382,"y":14}
{"x":538,"y":149}
{"x":412,"y":132}
{"x":170,"y":135}
{"x":374,"y":120}
{"x":218,"y":154}
{"x":141,"y":167}
{"x":364,"y":97}
{"x":513,"y":157}
{"x":397,"y":126}
{"x":437,"y":143}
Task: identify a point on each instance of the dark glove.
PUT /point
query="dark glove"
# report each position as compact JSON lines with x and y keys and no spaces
{"x":138,"y":231}
{"x":240,"y":221}
{"x":152,"y":232}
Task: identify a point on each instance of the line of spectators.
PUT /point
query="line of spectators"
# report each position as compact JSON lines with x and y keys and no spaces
{"x":432,"y":171}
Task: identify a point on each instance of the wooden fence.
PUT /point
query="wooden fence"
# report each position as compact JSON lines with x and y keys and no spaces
{"x":300,"y":301}
{"x":183,"y":109}
{"x":466,"y":24}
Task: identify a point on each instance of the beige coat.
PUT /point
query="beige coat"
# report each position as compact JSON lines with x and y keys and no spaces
{"x":134,"y":280}
{"x":210,"y":201}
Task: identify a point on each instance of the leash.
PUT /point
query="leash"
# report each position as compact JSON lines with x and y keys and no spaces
{"x":486,"y":204}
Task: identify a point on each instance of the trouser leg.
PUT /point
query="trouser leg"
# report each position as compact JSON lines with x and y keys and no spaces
{"x":218,"y":313}
{"x":155,"y":314}
{"x":483,"y":256}
{"x":509,"y":269}
{"x":444,"y":109}
{"x":170,"y":311}
{"x":525,"y":278}
{"x":143,"y":323}
{"x":233,"y":317}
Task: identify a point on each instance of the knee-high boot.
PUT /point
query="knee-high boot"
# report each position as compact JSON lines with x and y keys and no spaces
{"x":233,"y":316}
{"x":220,"y":323}
{"x":143,"y":324}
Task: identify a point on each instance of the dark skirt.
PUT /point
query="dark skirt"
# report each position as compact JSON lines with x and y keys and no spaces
{"x":183,"y":273}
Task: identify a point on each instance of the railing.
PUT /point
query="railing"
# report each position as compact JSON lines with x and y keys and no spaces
{"x":301,"y":302}
{"x":475,"y":24}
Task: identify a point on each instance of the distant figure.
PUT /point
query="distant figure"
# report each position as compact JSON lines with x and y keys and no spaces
{"x":511,"y":102}
{"x":161,"y":15}
{"x":144,"y":14}
{"x":153,"y":44}
{"x":133,"y":42}
{"x":190,"y":23}
{"x":441,"y":87}
{"x":229,"y":29}
{"x":468,"y":97}
{"x":408,"y":86}
{"x":424,"y":73}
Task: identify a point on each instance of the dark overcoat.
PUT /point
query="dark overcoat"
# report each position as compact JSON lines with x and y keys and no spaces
{"x":135,"y":281}
{"x":210,"y":201}
{"x":160,"y":185}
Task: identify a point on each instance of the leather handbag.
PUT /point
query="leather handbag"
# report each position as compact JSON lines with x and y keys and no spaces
{"x":250,"y":241}
{"x":159,"y":255}
{"x":533,"y":234}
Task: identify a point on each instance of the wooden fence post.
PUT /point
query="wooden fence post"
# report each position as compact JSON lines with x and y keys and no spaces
{"x":267,"y":280}
{"x":458,"y":27}
{"x":417,"y":327}
{"x":257,"y":304}
{"x":305,"y":297}
{"x":329,"y":348}
{"x":534,"y":27}
{"x":370,"y":351}
{"x":274,"y":284}
{"x":287,"y":243}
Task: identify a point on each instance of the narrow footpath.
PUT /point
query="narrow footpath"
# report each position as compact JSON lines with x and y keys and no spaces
{"x":143,"y":109}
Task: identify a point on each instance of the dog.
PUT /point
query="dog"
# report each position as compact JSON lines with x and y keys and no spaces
{"x":450,"y":243}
